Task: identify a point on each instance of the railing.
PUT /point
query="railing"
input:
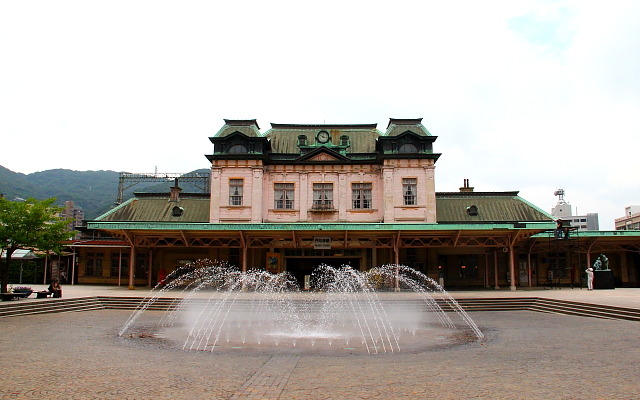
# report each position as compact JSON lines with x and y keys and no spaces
{"x":326,"y":206}
{"x":627,"y":217}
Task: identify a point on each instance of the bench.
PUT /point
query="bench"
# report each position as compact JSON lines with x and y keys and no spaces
{"x":12,"y":296}
{"x":23,"y":295}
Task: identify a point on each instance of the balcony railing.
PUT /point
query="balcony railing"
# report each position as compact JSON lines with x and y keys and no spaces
{"x":324,"y":206}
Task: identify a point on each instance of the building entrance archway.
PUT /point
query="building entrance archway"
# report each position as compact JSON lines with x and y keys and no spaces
{"x":301,"y":266}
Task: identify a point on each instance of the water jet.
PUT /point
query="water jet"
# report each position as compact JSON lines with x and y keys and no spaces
{"x":218,"y":308}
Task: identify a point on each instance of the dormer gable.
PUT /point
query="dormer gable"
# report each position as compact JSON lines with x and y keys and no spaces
{"x":399,"y":125}
{"x":407,"y":143}
{"x":323,"y":155}
{"x":238,"y":144}
{"x":247,"y":126}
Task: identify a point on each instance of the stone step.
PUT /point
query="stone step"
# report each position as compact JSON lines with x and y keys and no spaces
{"x":585,"y":309}
{"x":40,"y":306}
{"x":496,"y":304}
{"x":164,"y":304}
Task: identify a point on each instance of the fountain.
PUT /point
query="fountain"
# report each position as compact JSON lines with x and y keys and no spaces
{"x":222,"y":309}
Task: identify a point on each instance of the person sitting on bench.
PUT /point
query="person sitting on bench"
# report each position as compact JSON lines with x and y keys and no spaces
{"x":55,"y":288}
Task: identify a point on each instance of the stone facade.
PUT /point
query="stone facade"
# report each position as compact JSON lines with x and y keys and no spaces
{"x":398,"y":182}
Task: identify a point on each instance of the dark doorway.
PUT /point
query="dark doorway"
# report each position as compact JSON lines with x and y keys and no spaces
{"x":299,"y":267}
{"x":634,"y":269}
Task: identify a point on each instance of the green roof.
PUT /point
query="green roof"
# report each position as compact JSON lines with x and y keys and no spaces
{"x":595,"y":234}
{"x":248,"y":127}
{"x":492,"y":207}
{"x":495,"y":210}
{"x":399,"y":126}
{"x":310,"y":226}
{"x":284,"y":138}
{"x":159,"y":209}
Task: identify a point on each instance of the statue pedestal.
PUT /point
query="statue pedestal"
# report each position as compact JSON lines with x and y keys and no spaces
{"x":603,"y":280}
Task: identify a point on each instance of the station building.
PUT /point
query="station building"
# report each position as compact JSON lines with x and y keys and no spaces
{"x":300,"y":195}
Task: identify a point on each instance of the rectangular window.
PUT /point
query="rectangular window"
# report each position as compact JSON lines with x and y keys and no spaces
{"x":283,"y":194}
{"x":409,"y":191}
{"x":323,"y":196}
{"x":361,"y":195}
{"x":235,"y":192}
{"x":115,"y":265}
{"x":94,"y":264}
{"x":119,"y":264}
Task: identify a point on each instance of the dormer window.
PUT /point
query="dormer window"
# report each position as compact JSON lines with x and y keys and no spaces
{"x":177,"y":211}
{"x":408,"y":148}
{"x":238,"y":149}
{"x":344,"y":140}
{"x":472,"y":211}
{"x":302,"y":140}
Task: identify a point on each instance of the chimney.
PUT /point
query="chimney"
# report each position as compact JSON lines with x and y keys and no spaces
{"x":175,"y":192}
{"x":466,"y":188}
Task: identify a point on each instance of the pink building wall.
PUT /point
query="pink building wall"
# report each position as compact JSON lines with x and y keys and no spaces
{"x":258,"y":203}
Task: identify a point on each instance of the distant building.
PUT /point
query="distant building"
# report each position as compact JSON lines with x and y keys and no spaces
{"x":74,"y":214}
{"x":563,"y":210}
{"x":630,"y":221}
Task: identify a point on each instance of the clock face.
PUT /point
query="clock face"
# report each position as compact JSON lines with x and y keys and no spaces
{"x":323,"y":136}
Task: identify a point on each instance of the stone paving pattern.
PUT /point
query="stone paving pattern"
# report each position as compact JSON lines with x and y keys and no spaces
{"x":270,"y":380}
{"x":526,"y":355}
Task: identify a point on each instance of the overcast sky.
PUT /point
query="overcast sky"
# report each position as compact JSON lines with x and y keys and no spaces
{"x":523,"y":95}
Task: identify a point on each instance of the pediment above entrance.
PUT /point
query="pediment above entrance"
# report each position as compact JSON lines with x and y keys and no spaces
{"x":323,"y":155}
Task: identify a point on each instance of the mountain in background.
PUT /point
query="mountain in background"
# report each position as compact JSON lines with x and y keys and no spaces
{"x":93,"y":191}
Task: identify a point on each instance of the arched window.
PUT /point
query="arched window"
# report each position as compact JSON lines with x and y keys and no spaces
{"x":238,"y":149}
{"x":408,"y":148}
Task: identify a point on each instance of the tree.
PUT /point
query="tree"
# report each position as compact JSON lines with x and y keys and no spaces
{"x":29,"y":224}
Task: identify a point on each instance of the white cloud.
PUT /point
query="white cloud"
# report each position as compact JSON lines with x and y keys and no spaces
{"x":523,"y":95}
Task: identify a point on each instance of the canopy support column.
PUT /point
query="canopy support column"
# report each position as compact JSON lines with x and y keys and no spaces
{"x":132,"y":265}
{"x":495,"y":270}
{"x":243,"y":244}
{"x":132,"y":260}
{"x":512,"y":268}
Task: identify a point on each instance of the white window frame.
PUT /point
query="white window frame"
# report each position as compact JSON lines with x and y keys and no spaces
{"x":283,"y":196}
{"x":361,"y":194}
{"x":236,"y":191}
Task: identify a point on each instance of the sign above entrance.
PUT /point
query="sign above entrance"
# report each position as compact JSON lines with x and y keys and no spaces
{"x":322,"y":242}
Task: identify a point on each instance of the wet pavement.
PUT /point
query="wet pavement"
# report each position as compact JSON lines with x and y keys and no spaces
{"x":524,"y":355}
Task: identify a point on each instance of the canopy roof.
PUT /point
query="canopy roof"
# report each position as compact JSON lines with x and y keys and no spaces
{"x":451,"y":208}
{"x":21,"y":254}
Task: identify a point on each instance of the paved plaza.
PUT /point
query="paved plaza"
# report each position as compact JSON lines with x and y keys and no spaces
{"x":525,"y":355}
